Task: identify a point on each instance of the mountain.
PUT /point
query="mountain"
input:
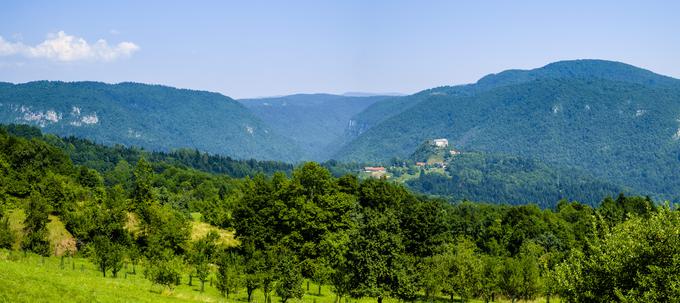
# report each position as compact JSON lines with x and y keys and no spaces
{"x":617,"y":121}
{"x":365,"y":94}
{"x":583,"y":69}
{"x":314,"y":122}
{"x":150,"y":116}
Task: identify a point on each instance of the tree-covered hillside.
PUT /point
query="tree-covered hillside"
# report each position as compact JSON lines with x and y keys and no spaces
{"x":151,"y":116}
{"x":314,"y":122}
{"x":469,"y":176}
{"x":512,"y":180}
{"x":620,"y":123}
{"x":105,"y":159}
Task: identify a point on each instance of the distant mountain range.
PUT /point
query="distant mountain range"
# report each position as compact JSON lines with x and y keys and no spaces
{"x":151,"y":116}
{"x":617,"y":122}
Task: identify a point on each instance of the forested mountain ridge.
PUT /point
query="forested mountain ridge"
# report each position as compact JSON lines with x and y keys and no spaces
{"x":583,"y":69}
{"x":616,"y":121}
{"x":314,"y":122}
{"x":151,"y":116}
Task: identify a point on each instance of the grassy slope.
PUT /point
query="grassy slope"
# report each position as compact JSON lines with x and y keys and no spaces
{"x":27,"y":279}
{"x":200,"y":229}
{"x":34,"y":279}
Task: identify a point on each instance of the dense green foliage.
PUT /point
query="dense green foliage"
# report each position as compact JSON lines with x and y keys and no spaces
{"x":615,"y":121}
{"x":105,"y":158}
{"x":637,"y":260}
{"x":315,"y":122}
{"x":513,"y":180}
{"x":152,"y":116}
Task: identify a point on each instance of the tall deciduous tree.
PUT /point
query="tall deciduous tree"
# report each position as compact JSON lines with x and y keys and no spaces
{"x":201,"y":254}
{"x":372,"y":255}
{"x":36,"y":226}
{"x":289,"y":276}
{"x":110,"y":238}
{"x":229,"y":272}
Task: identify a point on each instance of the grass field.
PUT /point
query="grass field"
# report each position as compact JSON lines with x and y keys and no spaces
{"x":31,"y":278}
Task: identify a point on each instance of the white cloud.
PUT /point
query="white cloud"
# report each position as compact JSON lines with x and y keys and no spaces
{"x":8,"y":48}
{"x":66,"y":48}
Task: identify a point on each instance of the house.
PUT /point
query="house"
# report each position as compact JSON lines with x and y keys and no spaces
{"x":440,"y":142}
{"x":420,"y":163}
{"x":371,"y":169}
{"x":454,"y":152}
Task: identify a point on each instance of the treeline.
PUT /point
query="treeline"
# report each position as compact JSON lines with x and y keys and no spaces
{"x":365,"y":238}
{"x":104,"y":158}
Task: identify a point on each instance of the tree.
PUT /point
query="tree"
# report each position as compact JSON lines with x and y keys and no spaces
{"x":466,"y":270}
{"x":7,"y":236}
{"x":267,"y":273}
{"x":547,"y":263}
{"x":89,"y":177}
{"x":313,"y":180}
{"x":253,"y":265}
{"x":110,"y":238}
{"x":166,"y":228}
{"x":425,"y":224}
{"x":36,"y":226}
{"x":491,"y":270}
{"x":510,"y":282}
{"x":405,"y":275}
{"x":256,"y":213}
{"x":230,"y":268}
{"x":333,"y":247}
{"x":372,"y":255}
{"x":289,"y":276}
{"x":134,"y":255}
{"x":164,"y":269}
{"x":201,"y":254}
{"x":319,"y":270}
{"x":530,"y":285}
{"x":57,"y":192}
{"x":433,"y":273}
{"x":462,"y":269}
{"x":142,"y":194}
{"x":108,"y":255}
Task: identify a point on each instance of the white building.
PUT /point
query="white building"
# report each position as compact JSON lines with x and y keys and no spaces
{"x":440,"y":142}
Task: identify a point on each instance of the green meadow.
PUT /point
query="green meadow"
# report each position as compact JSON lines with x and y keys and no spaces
{"x":32,"y":278}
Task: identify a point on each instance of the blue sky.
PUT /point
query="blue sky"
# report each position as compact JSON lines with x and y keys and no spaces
{"x":264,"y":48}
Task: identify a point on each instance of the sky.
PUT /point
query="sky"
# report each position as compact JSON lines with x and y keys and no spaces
{"x":268,"y":48}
